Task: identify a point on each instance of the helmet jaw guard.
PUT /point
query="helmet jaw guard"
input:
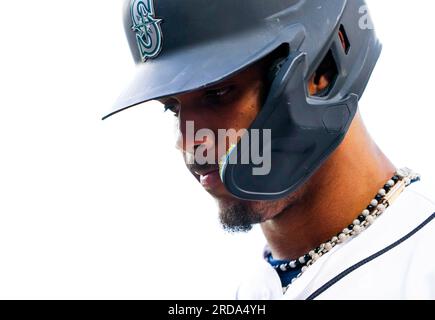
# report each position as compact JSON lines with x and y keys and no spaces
{"x":304,"y":132}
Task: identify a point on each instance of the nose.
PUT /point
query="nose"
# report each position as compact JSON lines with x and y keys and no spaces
{"x":194,"y":135}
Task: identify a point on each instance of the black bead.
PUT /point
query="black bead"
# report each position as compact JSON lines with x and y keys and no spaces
{"x":395,"y":178}
{"x":378,"y":197}
{"x":307,"y":258}
{"x":370,"y":207}
{"x":350,"y":227}
{"x":317,"y":250}
{"x":387,"y":187}
{"x":298,"y":264}
{"x":361,"y":218}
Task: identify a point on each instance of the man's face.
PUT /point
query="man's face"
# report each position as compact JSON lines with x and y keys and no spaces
{"x":232,"y":104}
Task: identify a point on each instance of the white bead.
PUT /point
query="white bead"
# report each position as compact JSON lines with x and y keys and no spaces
{"x":365,"y":213}
{"x":381,"y":208}
{"x":283,"y":267}
{"x":407,"y":181}
{"x":357,"y":229}
{"x":342,"y":237}
{"x":328,"y":246}
{"x":293,"y":264}
{"x":334,"y":239}
{"x":302,"y":260}
{"x":311,"y":253}
{"x":382,"y":192}
{"x":370,"y":219}
{"x":390,"y":183}
{"x":304,"y":269}
{"x":356,"y":222}
{"x":374,"y":202}
{"x":346,"y":231}
{"x":293,"y":280}
{"x":315,"y":257}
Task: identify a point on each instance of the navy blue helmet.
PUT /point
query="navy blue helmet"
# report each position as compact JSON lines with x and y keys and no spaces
{"x":182,"y":46}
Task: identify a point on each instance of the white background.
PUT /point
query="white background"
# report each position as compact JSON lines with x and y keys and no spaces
{"x":92,"y":209}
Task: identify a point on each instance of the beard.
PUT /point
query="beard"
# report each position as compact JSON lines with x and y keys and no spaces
{"x":240,"y":216}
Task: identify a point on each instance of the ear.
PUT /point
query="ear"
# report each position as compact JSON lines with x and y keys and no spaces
{"x":317,"y":84}
{"x":326,"y":72}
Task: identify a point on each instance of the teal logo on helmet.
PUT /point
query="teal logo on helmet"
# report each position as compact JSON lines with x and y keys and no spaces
{"x":147,"y":28}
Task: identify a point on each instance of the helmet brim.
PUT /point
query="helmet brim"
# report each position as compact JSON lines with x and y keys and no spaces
{"x":192,"y":68}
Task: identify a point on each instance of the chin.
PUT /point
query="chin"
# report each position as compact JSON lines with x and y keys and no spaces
{"x":240,"y":216}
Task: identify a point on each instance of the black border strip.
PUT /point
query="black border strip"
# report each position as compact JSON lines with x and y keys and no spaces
{"x":339,"y":277}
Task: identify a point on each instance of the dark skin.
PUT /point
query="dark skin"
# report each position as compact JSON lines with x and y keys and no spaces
{"x":329,"y":201}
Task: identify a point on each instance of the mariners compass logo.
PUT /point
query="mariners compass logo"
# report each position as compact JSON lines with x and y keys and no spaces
{"x":147,"y":28}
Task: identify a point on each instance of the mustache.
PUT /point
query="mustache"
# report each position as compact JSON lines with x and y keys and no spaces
{"x":201,"y":169}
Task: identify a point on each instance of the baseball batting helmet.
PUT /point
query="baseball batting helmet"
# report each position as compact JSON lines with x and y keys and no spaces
{"x":182,"y":46}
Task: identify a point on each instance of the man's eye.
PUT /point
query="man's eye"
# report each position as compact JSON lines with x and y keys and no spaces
{"x":219,"y":92}
{"x":220,"y":97}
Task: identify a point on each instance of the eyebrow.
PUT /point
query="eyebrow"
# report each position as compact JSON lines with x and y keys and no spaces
{"x":215,"y":86}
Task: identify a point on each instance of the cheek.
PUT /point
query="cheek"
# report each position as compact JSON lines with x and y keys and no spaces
{"x":237,"y":117}
{"x":235,"y":122}
{"x":242,"y":113}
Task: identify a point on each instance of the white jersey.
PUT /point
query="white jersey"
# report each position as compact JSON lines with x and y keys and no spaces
{"x":392,"y":259}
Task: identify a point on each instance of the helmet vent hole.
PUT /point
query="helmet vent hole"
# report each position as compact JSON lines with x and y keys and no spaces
{"x":344,"y":39}
{"x":323,"y":80}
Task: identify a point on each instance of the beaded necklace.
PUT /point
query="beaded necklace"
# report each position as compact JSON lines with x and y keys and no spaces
{"x":383,"y":199}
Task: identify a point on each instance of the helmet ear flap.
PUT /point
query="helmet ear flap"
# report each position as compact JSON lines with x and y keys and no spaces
{"x":326,"y":70}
